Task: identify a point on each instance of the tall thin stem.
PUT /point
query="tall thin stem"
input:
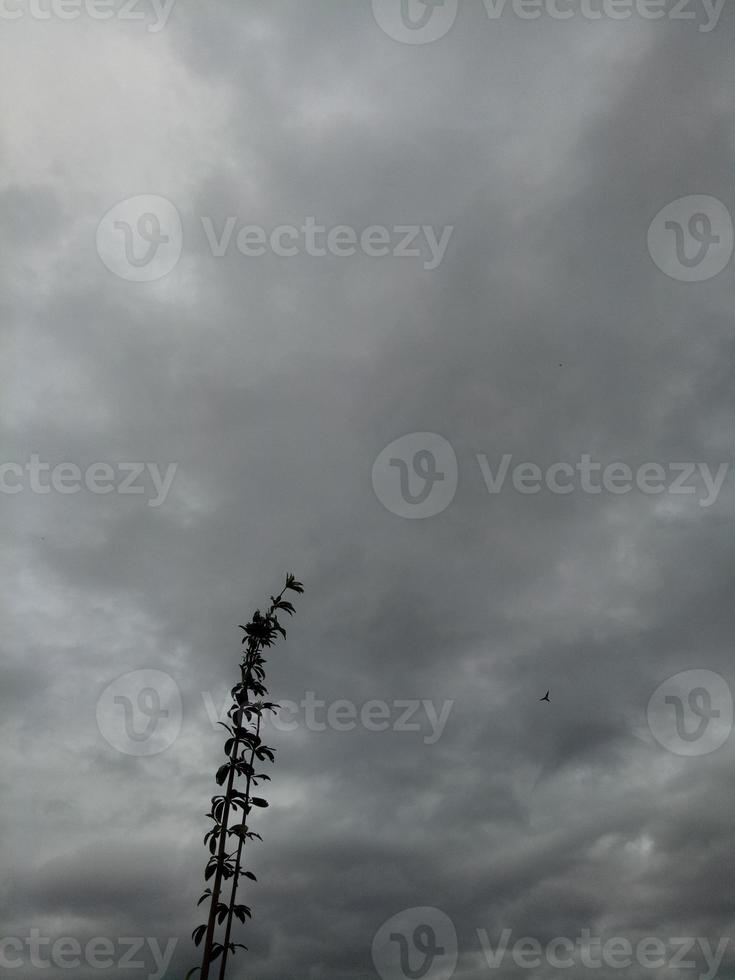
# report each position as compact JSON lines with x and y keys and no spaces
{"x":261,"y":632}
{"x":236,"y":877}
{"x":217,"y":885}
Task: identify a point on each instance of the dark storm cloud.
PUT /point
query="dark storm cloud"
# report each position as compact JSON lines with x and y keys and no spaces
{"x":274,"y":383}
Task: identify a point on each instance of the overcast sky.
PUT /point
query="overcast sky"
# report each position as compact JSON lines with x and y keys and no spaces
{"x":246,"y":247}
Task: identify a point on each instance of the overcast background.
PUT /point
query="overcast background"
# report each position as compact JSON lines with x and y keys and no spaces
{"x":546,"y":331}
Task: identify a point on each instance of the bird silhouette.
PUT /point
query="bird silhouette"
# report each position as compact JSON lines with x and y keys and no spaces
{"x":545,"y":697}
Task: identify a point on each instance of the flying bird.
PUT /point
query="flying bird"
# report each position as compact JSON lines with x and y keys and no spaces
{"x":545,"y":697}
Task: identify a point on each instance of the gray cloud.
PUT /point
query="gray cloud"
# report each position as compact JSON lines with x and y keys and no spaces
{"x":274,"y":383}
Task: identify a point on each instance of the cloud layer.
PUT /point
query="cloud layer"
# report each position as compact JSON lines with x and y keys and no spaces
{"x":273,"y":383}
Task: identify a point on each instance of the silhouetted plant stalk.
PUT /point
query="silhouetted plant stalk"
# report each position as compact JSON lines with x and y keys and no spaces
{"x":243,"y":748}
